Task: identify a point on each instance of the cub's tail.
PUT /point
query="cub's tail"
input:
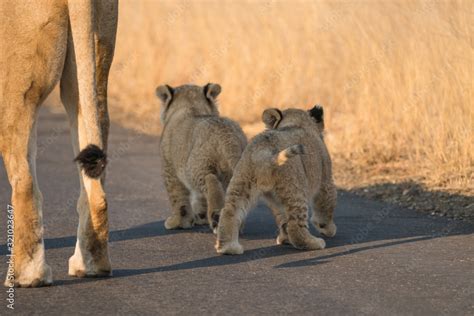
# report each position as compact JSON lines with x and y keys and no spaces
{"x":282,"y":157}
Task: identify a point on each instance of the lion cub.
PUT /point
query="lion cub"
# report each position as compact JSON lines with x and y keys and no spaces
{"x":199,"y":150}
{"x":289,"y":165}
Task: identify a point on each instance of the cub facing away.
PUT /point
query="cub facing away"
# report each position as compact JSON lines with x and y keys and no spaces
{"x":199,"y":150}
{"x":290,"y":167}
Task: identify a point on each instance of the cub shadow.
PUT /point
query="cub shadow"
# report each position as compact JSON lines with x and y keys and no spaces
{"x":359,"y":220}
{"x":209,"y":262}
{"x":214,"y":261}
{"x":362,"y":220}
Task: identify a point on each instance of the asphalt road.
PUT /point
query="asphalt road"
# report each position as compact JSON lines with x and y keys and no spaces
{"x":383,"y":261}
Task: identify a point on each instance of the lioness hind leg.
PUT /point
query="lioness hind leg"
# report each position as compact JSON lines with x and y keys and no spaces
{"x":29,"y":265}
{"x":323,"y":210}
{"x":29,"y":73}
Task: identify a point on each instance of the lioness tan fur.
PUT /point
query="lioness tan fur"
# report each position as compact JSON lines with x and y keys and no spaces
{"x":199,"y":149}
{"x":43,"y":42}
{"x":289,"y":165}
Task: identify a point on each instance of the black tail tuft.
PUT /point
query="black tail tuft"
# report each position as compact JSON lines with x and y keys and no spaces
{"x":295,"y":150}
{"x":317,"y":113}
{"x":92,"y":160}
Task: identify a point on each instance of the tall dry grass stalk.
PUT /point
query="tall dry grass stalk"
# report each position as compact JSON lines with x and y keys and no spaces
{"x":395,"y":77}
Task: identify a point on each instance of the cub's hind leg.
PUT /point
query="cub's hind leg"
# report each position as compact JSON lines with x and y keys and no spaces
{"x":240,"y":197}
{"x":199,"y":206}
{"x":280,"y":218}
{"x":297,"y":228}
{"x":323,"y":210}
{"x":204,"y":179}
{"x":182,"y":215}
{"x":215,"y":200}
{"x":296,"y":208}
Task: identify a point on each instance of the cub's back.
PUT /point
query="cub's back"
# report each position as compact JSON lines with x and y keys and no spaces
{"x":307,"y":166}
{"x":220,"y":139}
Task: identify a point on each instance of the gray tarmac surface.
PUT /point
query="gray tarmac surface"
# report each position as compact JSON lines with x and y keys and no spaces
{"x":384,"y":260}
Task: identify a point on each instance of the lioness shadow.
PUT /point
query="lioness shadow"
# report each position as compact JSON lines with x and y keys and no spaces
{"x":153,"y":229}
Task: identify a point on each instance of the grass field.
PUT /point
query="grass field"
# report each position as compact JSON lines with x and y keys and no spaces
{"x":395,"y":77}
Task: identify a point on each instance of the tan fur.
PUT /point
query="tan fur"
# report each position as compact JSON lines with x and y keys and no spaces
{"x":281,"y":158}
{"x":289,"y":165}
{"x":199,"y":150}
{"x":39,"y":47}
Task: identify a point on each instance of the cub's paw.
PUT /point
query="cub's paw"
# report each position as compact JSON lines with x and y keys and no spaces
{"x":308,"y":243}
{"x":328,"y":230}
{"x":282,"y":240}
{"x":231,"y":248}
{"x":200,"y":219}
{"x":315,"y":243}
{"x":175,"y":222}
{"x":214,"y":221}
{"x":172,"y":222}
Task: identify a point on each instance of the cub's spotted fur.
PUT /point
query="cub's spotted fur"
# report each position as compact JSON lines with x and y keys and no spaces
{"x":289,"y":165}
{"x":200,"y":150}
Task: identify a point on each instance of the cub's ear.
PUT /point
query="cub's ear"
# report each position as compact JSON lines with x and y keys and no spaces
{"x":272,"y":117}
{"x":317,"y":113}
{"x":165,"y":94}
{"x":211,"y":91}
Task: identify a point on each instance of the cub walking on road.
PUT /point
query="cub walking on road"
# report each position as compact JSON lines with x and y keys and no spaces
{"x":199,"y":150}
{"x":289,"y":165}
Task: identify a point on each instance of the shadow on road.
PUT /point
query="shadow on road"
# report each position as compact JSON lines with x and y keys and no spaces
{"x":317,"y":260}
{"x":248,"y":256}
{"x":132,"y":193}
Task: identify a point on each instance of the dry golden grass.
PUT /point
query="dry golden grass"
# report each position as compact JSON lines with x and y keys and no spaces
{"x":395,"y":77}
